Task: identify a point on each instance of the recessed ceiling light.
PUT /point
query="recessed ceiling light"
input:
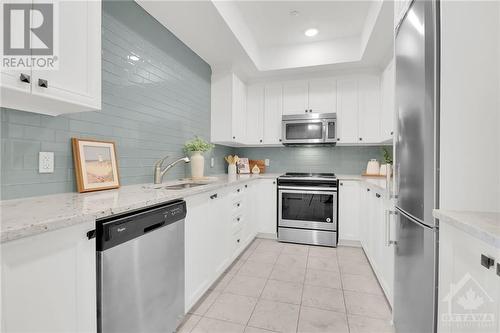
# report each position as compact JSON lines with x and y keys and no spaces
{"x":133,"y":57}
{"x":311,"y":32}
{"x":294,"y":13}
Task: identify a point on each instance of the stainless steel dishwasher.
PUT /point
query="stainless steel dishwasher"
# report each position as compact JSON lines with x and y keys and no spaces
{"x":140,"y":270}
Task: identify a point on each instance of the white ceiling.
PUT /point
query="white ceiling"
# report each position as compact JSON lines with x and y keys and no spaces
{"x":272,"y":25}
{"x":258,"y":38}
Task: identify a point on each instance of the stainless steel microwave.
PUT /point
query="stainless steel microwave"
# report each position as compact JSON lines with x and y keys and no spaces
{"x":313,"y":128}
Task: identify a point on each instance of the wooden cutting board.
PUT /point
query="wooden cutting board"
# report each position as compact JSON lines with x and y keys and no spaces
{"x":260,"y":163}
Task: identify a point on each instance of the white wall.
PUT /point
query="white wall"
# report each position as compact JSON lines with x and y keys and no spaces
{"x":470,"y":105}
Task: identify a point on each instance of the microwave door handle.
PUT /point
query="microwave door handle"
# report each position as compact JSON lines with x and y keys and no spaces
{"x":325,"y":129}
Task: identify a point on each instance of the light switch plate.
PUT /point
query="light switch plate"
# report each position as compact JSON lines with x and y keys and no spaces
{"x":45,"y":162}
{"x":266,"y":162}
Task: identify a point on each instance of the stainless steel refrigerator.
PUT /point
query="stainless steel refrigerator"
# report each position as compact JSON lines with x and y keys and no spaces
{"x":417,"y":105}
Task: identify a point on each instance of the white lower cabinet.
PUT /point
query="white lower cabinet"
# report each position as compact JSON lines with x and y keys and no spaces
{"x":372,"y":208}
{"x":218,"y":227}
{"x":349,"y":212}
{"x":49,"y":282}
{"x":468,"y":291}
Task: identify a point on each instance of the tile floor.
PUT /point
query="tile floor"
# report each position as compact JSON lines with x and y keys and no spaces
{"x":278,"y":287}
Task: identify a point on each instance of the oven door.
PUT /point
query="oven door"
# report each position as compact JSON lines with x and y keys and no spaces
{"x":304,"y":131}
{"x":307,"y":208}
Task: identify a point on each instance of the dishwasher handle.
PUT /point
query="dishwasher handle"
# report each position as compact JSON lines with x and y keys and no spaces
{"x":115,"y":230}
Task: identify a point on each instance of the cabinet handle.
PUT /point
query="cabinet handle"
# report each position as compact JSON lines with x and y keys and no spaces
{"x":246,"y":186}
{"x":388,"y":240}
{"x":91,"y":234}
{"x":377,"y":195}
{"x":338,"y":139}
{"x":237,"y":205}
{"x":487,"y":261}
{"x":360,"y":139}
{"x":238,"y":219}
{"x":260,"y":140}
{"x":25,"y":78}
{"x":392,"y":132}
{"x":213,"y":196}
{"x":305,"y":111}
{"x":341,"y":184}
{"x":280,"y":140}
{"x":234,"y":137}
{"x":274,"y":182}
{"x":238,"y":240}
{"x":238,"y":190}
{"x":43,"y":83}
{"x":367,"y":190}
{"x":310,"y":110}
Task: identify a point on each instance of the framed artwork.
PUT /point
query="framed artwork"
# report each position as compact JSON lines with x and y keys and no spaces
{"x":95,"y":165}
{"x":243,"y":165}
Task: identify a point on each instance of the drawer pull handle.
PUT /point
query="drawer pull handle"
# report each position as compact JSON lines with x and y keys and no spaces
{"x":487,"y":261}
{"x":238,"y":190}
{"x":25,"y":78}
{"x":237,"y":205}
{"x":43,"y":83}
{"x":238,"y":219}
{"x":213,"y":196}
{"x":377,"y":195}
{"x":238,"y":240}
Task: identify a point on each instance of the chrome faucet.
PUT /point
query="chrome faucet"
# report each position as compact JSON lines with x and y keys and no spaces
{"x":159,"y":172}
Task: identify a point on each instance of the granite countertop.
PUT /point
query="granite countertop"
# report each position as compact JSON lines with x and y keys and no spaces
{"x":482,"y":225}
{"x":30,"y":216}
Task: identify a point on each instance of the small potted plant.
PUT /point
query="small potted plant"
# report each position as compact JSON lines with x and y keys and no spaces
{"x":385,"y":169}
{"x":196,"y":147}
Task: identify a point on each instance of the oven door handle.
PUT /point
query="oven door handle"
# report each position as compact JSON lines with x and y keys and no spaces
{"x":307,"y":189}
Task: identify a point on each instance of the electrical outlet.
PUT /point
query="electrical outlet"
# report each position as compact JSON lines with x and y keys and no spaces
{"x":45,"y":162}
{"x":212,"y":162}
{"x":266,"y":162}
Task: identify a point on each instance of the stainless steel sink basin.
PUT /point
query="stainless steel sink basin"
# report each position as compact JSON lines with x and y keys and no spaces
{"x":179,"y":186}
{"x":183,"y":186}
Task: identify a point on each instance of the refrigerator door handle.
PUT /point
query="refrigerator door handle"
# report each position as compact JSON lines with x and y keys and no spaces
{"x":388,"y":240}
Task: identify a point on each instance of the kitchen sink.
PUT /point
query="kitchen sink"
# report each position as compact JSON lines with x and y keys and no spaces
{"x":179,"y":186}
{"x":183,"y":186}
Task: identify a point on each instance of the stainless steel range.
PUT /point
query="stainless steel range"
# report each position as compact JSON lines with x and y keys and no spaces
{"x":307,"y":208}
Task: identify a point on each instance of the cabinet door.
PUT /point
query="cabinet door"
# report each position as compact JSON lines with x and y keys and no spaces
{"x":369,"y":110}
{"x":464,"y":281}
{"x":387,"y":95}
{"x":220,"y":232}
{"x":255,"y":115}
{"x":238,"y":110}
{"x":78,"y":78}
{"x":49,"y":282}
{"x":349,"y":210}
{"x":347,"y":111}
{"x":295,"y":97}
{"x":322,"y":96}
{"x":273,"y":108}
{"x":267,"y":206}
{"x":199,"y":251}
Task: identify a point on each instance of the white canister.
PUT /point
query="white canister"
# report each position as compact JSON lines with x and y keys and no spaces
{"x":373,"y":167}
{"x":383,"y":170}
{"x":197,"y":165}
{"x":231,"y":169}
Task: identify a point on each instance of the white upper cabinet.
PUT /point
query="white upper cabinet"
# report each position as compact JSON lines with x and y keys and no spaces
{"x":255,"y":114}
{"x":273,"y":109}
{"x":295,"y":97}
{"x":347,"y":111}
{"x":313,"y":96}
{"x":388,"y":103}
{"x":322,"y":96}
{"x":369,"y":110}
{"x":76,"y":85}
{"x":228,"y":109}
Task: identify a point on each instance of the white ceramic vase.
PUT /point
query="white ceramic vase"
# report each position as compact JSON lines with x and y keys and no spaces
{"x":231,"y":169}
{"x":197,"y":164}
{"x":383,"y":170}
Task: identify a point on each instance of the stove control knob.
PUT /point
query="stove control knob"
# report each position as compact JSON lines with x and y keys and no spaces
{"x":328,"y":220}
